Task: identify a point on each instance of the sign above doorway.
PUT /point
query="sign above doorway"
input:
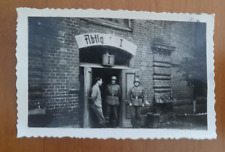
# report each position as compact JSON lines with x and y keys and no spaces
{"x":96,"y":39}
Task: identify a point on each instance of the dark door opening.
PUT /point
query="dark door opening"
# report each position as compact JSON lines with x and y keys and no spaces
{"x":106,"y":74}
{"x":125,"y":79}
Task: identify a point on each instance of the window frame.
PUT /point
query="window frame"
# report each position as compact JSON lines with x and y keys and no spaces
{"x":107,"y":23}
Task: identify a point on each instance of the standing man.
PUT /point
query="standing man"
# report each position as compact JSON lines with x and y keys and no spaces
{"x":96,"y":102}
{"x":113,"y":101}
{"x":136,"y":97}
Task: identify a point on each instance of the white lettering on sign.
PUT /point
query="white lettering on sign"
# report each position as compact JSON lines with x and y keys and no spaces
{"x":96,"y":39}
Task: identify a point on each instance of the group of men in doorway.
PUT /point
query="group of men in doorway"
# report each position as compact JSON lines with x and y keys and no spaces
{"x":136,"y":100}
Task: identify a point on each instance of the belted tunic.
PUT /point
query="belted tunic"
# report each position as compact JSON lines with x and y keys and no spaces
{"x":136,"y":96}
{"x":113,"y":94}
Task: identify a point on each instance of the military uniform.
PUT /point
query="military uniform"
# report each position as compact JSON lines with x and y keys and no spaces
{"x":113,"y":93}
{"x":96,"y":105}
{"x":136,"y":96}
{"x":113,"y":101}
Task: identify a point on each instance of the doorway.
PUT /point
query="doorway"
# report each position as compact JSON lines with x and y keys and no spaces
{"x":125,"y":78}
{"x":106,"y":74}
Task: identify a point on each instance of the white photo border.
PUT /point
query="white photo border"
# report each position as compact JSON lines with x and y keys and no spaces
{"x":22,"y":77}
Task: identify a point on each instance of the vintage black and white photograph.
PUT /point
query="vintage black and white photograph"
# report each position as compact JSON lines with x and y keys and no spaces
{"x":115,"y":74}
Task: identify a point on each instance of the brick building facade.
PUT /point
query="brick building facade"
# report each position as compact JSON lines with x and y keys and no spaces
{"x":56,"y":77}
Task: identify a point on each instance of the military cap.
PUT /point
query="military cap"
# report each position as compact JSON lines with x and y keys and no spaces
{"x":113,"y":77}
{"x":136,"y":80}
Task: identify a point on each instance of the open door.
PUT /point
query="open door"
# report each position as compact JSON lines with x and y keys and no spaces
{"x":128,"y":77}
{"x":87,"y":89}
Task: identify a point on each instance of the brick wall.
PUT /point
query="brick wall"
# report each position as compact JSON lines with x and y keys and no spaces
{"x":59,"y":68}
{"x":143,"y":61}
{"x":35,"y":68}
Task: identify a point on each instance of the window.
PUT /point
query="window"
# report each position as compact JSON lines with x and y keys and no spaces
{"x":122,"y":24}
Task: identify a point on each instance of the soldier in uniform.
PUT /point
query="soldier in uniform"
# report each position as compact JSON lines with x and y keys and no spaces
{"x":113,"y":101}
{"x":136,"y":97}
{"x":96,"y":102}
